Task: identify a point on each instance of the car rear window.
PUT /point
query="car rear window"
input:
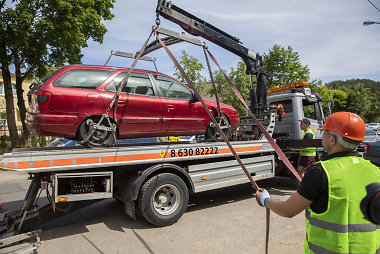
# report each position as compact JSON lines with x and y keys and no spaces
{"x":83,"y":78}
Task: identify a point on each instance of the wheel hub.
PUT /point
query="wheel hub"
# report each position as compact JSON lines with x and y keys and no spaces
{"x":166,"y":199}
{"x":162,"y":198}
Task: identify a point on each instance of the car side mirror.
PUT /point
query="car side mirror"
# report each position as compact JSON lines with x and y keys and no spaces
{"x":194,"y":99}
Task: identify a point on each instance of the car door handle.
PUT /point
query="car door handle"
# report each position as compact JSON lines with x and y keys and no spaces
{"x":170,"y":106}
{"x":121,"y":102}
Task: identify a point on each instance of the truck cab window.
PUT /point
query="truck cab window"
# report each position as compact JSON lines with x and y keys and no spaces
{"x":287,"y":104}
{"x":312,"y":110}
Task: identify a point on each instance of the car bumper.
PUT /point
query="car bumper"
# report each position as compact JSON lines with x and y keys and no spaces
{"x":53,"y":124}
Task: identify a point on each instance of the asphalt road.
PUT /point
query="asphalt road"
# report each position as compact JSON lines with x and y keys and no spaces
{"x":221,"y":221}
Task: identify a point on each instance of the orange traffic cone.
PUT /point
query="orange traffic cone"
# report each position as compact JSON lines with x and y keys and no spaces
{"x":1,"y":206}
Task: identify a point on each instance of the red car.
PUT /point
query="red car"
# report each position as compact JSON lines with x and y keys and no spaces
{"x":69,"y":102}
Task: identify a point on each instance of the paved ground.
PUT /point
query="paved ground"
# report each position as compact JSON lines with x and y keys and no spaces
{"x":223,"y":221}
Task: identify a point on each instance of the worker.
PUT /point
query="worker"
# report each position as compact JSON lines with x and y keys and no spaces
{"x":331,"y":191}
{"x":307,"y":155}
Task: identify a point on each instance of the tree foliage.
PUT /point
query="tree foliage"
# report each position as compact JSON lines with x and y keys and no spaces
{"x":192,"y":68}
{"x":360,"y":96}
{"x":240,"y":80}
{"x":283,"y":67}
{"x":35,"y":34}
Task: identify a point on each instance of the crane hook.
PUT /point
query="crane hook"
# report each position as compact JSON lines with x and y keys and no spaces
{"x":158,"y":20}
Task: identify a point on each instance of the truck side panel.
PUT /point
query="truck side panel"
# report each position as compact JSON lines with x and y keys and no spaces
{"x":227,"y":173}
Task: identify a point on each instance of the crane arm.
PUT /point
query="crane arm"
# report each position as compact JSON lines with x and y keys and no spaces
{"x":198,"y":27}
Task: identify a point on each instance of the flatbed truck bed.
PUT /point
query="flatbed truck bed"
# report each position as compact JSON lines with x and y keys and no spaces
{"x":155,"y":179}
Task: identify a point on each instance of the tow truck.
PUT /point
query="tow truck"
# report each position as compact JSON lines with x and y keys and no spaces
{"x":298,"y":102}
{"x":153,"y":179}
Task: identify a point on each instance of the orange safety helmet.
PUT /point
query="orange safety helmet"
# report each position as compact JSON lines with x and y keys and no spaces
{"x":346,"y":124}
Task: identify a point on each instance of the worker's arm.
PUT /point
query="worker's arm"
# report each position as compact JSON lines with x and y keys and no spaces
{"x":290,"y":207}
{"x":314,"y":186}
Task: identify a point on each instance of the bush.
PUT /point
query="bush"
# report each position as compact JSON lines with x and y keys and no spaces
{"x":4,"y":148}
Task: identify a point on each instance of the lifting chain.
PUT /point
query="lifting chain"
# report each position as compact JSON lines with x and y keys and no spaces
{"x":158,"y":21}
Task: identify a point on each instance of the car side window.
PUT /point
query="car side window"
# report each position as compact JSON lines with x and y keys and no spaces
{"x":138,"y":83}
{"x":173,"y":89}
{"x":83,"y":78}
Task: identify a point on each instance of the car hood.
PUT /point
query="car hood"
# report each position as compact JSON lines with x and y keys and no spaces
{"x":222,"y":105}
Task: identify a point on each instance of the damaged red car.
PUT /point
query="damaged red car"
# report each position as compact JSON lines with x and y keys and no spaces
{"x":69,"y":102}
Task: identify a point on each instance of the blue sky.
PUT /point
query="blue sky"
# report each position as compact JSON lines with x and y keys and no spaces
{"x":328,"y":35}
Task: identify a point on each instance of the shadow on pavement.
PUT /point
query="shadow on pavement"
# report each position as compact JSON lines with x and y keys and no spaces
{"x":110,"y":212}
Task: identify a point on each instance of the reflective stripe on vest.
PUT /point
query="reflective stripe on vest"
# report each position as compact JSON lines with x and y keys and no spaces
{"x":339,"y":228}
{"x":307,"y":153}
{"x":342,"y":228}
{"x":321,"y":250}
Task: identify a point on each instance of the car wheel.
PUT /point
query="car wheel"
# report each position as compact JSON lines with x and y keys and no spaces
{"x":99,"y":137}
{"x":212,"y":132}
{"x":163,"y":199}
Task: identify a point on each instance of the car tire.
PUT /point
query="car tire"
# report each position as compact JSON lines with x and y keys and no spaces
{"x":99,"y":138}
{"x":163,"y":199}
{"x":212,"y":132}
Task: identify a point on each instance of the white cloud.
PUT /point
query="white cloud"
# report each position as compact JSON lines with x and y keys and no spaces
{"x":328,"y":35}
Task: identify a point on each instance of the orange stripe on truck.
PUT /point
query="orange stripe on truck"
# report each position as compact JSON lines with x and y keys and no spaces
{"x":41,"y":164}
{"x":23,"y":164}
{"x":137,"y":157}
{"x":89,"y":160}
{"x":62,"y":162}
{"x":120,"y":158}
{"x":132,"y":157}
{"x":241,"y":149}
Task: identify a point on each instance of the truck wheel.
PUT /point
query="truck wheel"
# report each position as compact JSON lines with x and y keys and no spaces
{"x":213,"y":134}
{"x":163,"y":199}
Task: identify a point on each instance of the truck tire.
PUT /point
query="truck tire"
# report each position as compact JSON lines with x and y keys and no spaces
{"x":163,"y":199}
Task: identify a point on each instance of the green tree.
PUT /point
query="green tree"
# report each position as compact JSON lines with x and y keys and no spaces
{"x":240,"y":80}
{"x":192,"y":68}
{"x":373,"y":114}
{"x":35,"y":34}
{"x":364,"y":90}
{"x":283,"y":67}
{"x":358,"y":100}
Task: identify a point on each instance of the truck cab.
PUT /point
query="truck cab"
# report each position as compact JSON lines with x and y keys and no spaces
{"x":298,"y":104}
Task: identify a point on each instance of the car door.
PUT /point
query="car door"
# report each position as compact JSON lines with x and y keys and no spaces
{"x":139,"y":109}
{"x":180,"y":112}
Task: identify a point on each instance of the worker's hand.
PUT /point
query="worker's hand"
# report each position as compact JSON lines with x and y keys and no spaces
{"x":261,"y":196}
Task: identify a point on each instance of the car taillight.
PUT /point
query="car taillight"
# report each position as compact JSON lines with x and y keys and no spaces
{"x":44,"y":99}
{"x":367,"y":147}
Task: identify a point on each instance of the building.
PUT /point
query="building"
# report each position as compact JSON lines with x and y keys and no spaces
{"x":3,"y":119}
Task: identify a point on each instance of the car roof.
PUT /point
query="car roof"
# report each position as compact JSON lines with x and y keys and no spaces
{"x":102,"y":67}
